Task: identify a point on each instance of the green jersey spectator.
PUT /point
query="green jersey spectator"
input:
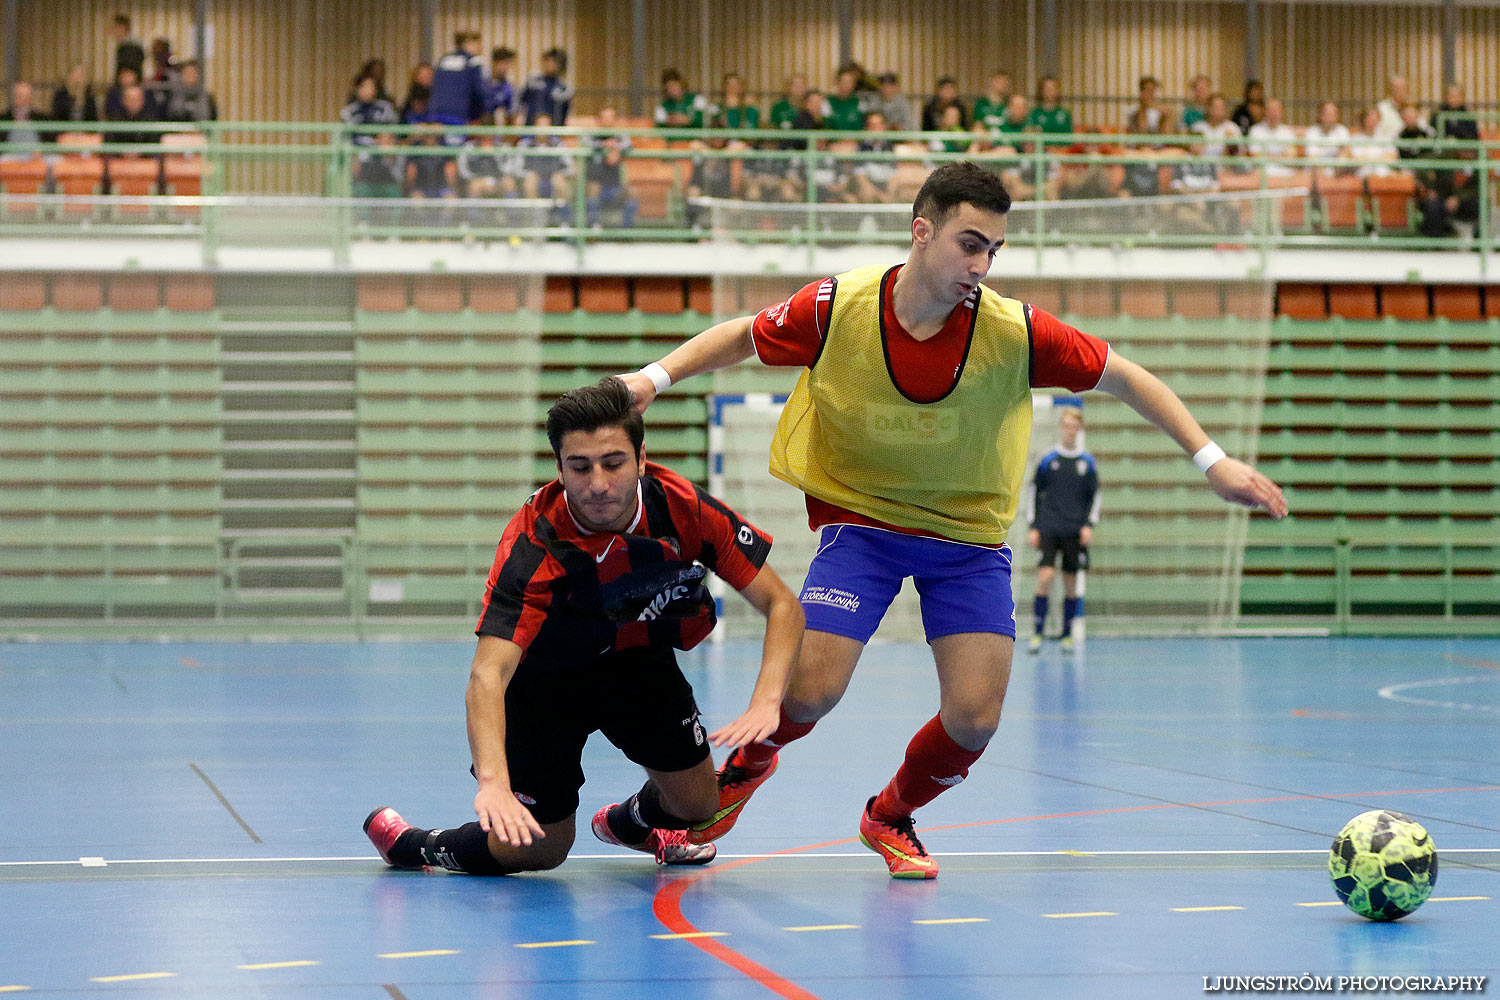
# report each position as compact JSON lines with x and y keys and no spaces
{"x":1016,"y":119}
{"x":845,"y":109}
{"x":1196,"y":110}
{"x":678,"y":108}
{"x":785,"y":111}
{"x":732,"y":111}
{"x":989,"y":110}
{"x":1047,"y":115}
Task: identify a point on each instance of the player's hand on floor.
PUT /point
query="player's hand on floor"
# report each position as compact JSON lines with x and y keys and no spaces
{"x":1240,"y":483}
{"x":502,"y":814}
{"x":758,"y":721}
{"x":641,"y":387}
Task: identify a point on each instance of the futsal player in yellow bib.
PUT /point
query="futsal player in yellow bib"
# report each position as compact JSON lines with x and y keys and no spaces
{"x":907,"y":431}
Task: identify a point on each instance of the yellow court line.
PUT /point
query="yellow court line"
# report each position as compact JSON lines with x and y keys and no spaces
{"x":1454,"y":899}
{"x":1203,"y":909}
{"x":418,"y":954}
{"x":1333,"y":903}
{"x":824,"y":927}
{"x":554,"y":944}
{"x":955,"y":920}
{"x":1093,"y":913}
{"x":132,"y":977}
{"x":1077,"y":854}
{"x":688,"y":936}
{"x":277,"y":965}
{"x":14,"y":989}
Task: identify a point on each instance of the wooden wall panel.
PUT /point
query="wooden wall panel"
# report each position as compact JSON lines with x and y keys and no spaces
{"x":56,"y":34}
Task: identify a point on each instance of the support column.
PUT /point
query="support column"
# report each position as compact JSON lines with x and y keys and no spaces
{"x":1050,"y":45}
{"x":638,"y":46}
{"x":200,"y":38}
{"x":846,"y":32}
{"x":1252,"y":40}
{"x":429,"y":18}
{"x":12,"y":28}
{"x":1450,"y":42}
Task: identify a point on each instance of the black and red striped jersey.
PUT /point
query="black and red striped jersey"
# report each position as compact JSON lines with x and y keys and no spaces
{"x":558,"y":589}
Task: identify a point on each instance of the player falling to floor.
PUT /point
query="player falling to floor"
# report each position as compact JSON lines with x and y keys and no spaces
{"x":907,"y":431}
{"x":1062,"y":508}
{"x":597,"y":579}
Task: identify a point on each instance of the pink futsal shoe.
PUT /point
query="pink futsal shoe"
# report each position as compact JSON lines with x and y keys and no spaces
{"x":897,"y":845}
{"x":671,"y":847}
{"x":736,"y":785}
{"x":383,"y":826}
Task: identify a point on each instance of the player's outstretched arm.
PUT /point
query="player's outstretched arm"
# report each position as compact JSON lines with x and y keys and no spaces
{"x":498,"y":809}
{"x":724,"y":344}
{"x":1147,"y":395}
{"x":784,"y":627}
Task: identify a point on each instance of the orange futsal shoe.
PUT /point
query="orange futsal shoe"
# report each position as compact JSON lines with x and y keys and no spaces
{"x":897,"y":843}
{"x":383,"y":826}
{"x":671,"y":847}
{"x":735,"y":788}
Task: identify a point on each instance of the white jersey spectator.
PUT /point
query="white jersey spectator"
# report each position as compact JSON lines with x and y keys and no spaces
{"x":1217,"y":128}
{"x":1328,"y":138}
{"x":1273,"y":137}
{"x":1396,"y":94}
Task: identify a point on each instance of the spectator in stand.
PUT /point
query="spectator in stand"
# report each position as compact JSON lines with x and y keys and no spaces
{"x":1396,"y":94}
{"x":482,"y":169}
{"x":1370,"y":149}
{"x":846,"y":111}
{"x":74,"y":101}
{"x":129,"y":52}
{"x":499,"y":92}
{"x":134,"y":109}
{"x":1142,"y":178}
{"x":733,"y":111}
{"x":189,"y":100}
{"x":604,"y":180}
{"x":785,"y":111}
{"x":833,"y":176}
{"x":379,"y":175}
{"x":1200,"y":89}
{"x":1274,"y":138}
{"x":459,"y":93}
{"x":875,"y":180}
{"x":1415,"y":134}
{"x":1087,"y":178}
{"x":418,"y":95}
{"x":367,"y":109}
{"x":546,"y":174}
{"x":1048,"y":116}
{"x":547,"y":93}
{"x":678,"y":108}
{"x":990,"y":109}
{"x":1190,"y":175}
{"x":1457,"y":124}
{"x":894,"y":106}
{"x":946,"y":96}
{"x":1218,"y":131}
{"x":114,"y":105}
{"x":1327,"y":138}
{"x":375,"y":69}
{"x":814,"y":108}
{"x":952,"y":120}
{"x":163,"y":63}
{"x":430,"y":176}
{"x":20,"y":120}
{"x":1449,"y":200}
{"x":1016,"y":120}
{"x":712,"y":177}
{"x":1252,"y":109}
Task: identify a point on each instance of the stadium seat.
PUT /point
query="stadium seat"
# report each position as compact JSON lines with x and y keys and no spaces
{"x":496,"y":294}
{"x":652,"y":182}
{"x":1457,"y":302}
{"x":602,"y":294}
{"x":1143,"y":299}
{"x":133,"y":177}
{"x":1340,"y":203}
{"x":183,"y":169}
{"x":1197,"y":299}
{"x":19,"y":178}
{"x":190,"y":292}
{"x":701,"y":296}
{"x":1045,"y":295}
{"x":135,"y":292}
{"x":77,"y":292}
{"x":1405,"y":302}
{"x":1303,"y":301}
{"x":659,"y":295}
{"x":437,"y":294}
{"x":1353,"y":301}
{"x":1391,"y":201}
{"x":1092,"y":298}
{"x":1492,"y":301}
{"x":76,"y":174}
{"x":381,"y":294}
{"x":559,"y":295}
{"x":23,"y":292}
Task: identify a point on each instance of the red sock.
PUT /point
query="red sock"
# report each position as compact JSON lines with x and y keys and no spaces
{"x":934,"y":763}
{"x":756,"y":757}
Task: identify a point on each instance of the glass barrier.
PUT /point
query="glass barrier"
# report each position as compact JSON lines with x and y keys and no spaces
{"x":321,"y":185}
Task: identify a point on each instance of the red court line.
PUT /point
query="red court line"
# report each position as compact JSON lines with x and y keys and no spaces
{"x":1471,"y":661}
{"x":667,"y":904}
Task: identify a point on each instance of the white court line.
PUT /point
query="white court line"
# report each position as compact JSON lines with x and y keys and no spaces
{"x":1391,"y":692}
{"x":1069,"y":853}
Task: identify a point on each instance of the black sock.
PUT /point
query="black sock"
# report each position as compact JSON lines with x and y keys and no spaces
{"x":462,"y":849}
{"x":633,"y":820}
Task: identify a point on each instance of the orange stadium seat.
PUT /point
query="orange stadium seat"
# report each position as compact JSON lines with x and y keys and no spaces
{"x":1197,"y":300}
{"x":559,"y":296}
{"x":183,"y":169}
{"x":1405,"y":301}
{"x":77,"y":174}
{"x":603,"y":294}
{"x":1304,"y":301}
{"x":23,"y":292}
{"x":437,"y":293}
{"x":1390,"y":196}
{"x":19,"y":178}
{"x":1457,"y":302}
{"x":1339,"y":200}
{"x":135,"y":292}
{"x":1144,"y":299}
{"x":1045,"y":295}
{"x":1249,"y":300}
{"x":497,"y":294}
{"x":1353,"y":301}
{"x":133,"y":177}
{"x":77,"y":292}
{"x":381,"y":294}
{"x":1492,"y":301}
{"x":1092,"y":298}
{"x":659,"y":295}
{"x":701,"y":295}
{"x":190,"y":292}
{"x":651,"y":182}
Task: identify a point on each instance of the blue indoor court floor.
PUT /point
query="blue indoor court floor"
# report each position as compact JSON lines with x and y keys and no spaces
{"x":183,"y":820}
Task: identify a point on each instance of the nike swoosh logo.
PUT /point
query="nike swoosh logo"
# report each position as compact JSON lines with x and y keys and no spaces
{"x":600,"y":557}
{"x":719,"y":815}
{"x":924,"y":862}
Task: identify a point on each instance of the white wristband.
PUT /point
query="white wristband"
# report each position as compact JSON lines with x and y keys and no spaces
{"x":1207,"y":456}
{"x":658,"y":376}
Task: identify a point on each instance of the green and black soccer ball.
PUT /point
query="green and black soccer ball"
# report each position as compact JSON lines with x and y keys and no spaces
{"x":1383,"y":865}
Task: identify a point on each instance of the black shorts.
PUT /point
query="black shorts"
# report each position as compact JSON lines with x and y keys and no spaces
{"x":1075,"y":556}
{"x":637,"y":698}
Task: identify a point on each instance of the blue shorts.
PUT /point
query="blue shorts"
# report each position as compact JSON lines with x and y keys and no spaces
{"x":858,"y":571}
